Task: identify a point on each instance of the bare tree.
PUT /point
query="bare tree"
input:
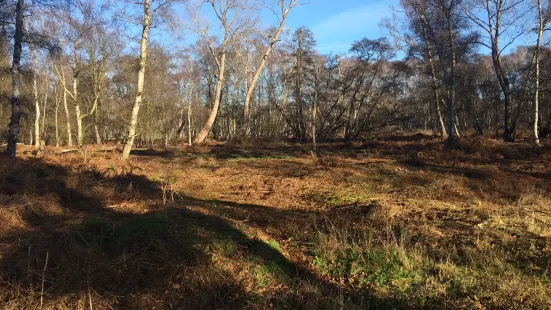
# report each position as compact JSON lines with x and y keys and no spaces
{"x":132,"y":125}
{"x":98,"y":69}
{"x":61,"y":75}
{"x":501,"y":21}
{"x":236,"y":18}
{"x":14,"y":127}
{"x":189,"y":115}
{"x":35,"y":98}
{"x":543,"y":19}
{"x":147,"y":15}
{"x":285,"y":8}
{"x":315,"y":107}
{"x":45,"y":106}
{"x":419,"y":42}
{"x":58,"y":61}
{"x":56,"y":114}
{"x":443,"y":30}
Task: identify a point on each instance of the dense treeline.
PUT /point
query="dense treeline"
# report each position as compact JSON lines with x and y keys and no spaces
{"x":453,"y":66}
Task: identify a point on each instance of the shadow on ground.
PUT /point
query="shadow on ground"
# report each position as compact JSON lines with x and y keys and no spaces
{"x":74,"y":236}
{"x":68,"y":241}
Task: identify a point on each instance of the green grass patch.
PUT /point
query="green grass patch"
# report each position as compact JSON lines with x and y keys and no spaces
{"x":274,"y":244}
{"x":399,"y":269}
{"x":229,"y":247}
{"x":386,"y":268}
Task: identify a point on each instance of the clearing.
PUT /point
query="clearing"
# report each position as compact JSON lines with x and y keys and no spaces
{"x":401,"y":223}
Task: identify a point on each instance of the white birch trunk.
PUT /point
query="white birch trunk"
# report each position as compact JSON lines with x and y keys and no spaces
{"x":36,"y":101}
{"x":189,"y":115}
{"x":67,"y":119}
{"x":212,"y":117}
{"x":56,"y":118}
{"x":141,"y":76}
{"x":256,"y":76}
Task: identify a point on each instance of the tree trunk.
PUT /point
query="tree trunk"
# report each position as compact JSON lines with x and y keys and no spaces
{"x":36,"y":102}
{"x":189,"y":116}
{"x":537,"y":74}
{"x":56,"y":120}
{"x":507,"y":133}
{"x":44,"y":107}
{"x":80,"y":138}
{"x":96,"y":127}
{"x":457,"y":134}
{"x":301,"y":124}
{"x":443,"y":130}
{"x":256,"y":76}
{"x":141,"y":76}
{"x":504,"y":84}
{"x":80,"y":134}
{"x":315,"y":108}
{"x":452,"y":141}
{"x":436,"y":91}
{"x":450,"y":114}
{"x":212,"y":117}
{"x":67,"y":119}
{"x":14,"y":126}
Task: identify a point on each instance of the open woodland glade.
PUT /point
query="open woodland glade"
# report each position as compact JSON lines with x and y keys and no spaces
{"x":173,"y":154}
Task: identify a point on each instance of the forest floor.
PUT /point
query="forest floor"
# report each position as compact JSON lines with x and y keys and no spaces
{"x":401,"y":223}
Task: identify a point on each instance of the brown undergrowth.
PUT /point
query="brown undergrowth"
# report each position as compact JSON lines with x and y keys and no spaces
{"x":401,"y":223}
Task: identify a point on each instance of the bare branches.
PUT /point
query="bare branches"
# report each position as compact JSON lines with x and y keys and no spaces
{"x":498,"y":19}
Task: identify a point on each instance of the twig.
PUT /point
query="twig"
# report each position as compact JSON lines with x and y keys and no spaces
{"x":83,"y":239}
{"x":90,"y":297}
{"x":98,"y":294}
{"x":43,"y":280}
{"x":29,"y":261}
{"x":125,"y":258}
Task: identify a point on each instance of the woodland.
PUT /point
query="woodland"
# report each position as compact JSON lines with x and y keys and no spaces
{"x":203,"y":154}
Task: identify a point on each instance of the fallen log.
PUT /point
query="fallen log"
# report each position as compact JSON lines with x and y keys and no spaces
{"x":67,"y":151}
{"x":108,"y":149}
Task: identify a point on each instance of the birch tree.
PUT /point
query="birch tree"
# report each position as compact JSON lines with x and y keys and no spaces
{"x":35,"y":98}
{"x":85,"y":31}
{"x":73,"y":94}
{"x":501,"y":22}
{"x":147,"y":19}
{"x":147,"y":15}
{"x":284,"y":9}
{"x":236,"y":19}
{"x":425,"y":46}
{"x":441,"y":26}
{"x":67,"y":33}
{"x":57,"y":99}
{"x":543,"y":20}
{"x":101,"y":49}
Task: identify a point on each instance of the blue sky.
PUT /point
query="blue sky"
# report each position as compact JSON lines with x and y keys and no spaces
{"x":338,"y":23}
